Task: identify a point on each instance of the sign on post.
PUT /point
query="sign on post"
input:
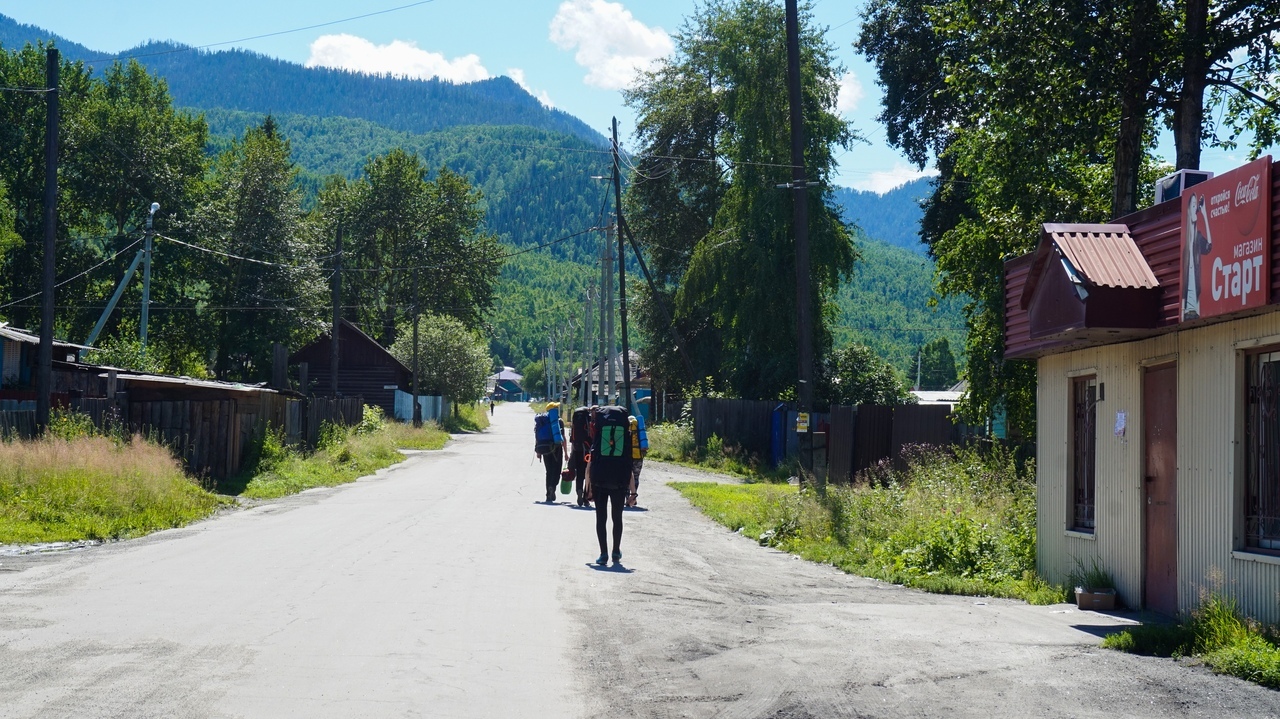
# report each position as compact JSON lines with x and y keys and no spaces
{"x":1226,"y":252}
{"x":802,"y":422}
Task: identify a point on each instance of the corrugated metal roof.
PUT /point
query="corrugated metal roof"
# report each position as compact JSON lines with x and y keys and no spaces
{"x":1105,"y":255}
{"x":159,"y":379}
{"x":17,"y":335}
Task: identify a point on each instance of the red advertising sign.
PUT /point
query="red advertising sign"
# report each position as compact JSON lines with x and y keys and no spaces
{"x":1226,"y":242}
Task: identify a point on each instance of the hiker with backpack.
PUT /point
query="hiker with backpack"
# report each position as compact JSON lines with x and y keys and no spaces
{"x":580,"y":447}
{"x":610,"y":477}
{"x":549,"y":444}
{"x":639,"y":448}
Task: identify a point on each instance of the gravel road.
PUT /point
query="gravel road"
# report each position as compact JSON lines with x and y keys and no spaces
{"x":444,"y":588}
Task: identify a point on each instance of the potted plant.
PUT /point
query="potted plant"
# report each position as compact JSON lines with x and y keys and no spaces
{"x":1094,"y":587}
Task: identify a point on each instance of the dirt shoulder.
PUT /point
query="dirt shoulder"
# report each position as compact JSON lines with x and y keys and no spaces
{"x":708,"y":623}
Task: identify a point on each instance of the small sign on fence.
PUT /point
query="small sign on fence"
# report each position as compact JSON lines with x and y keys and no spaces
{"x":802,"y":422}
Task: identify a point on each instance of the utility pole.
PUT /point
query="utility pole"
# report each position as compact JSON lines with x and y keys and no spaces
{"x":555,"y":369}
{"x":602,"y":396}
{"x":586,"y":351}
{"x":146,"y":277}
{"x":417,"y":408}
{"x":609,"y":310}
{"x":44,"y":373}
{"x":622,"y":273}
{"x":800,"y":198}
{"x":337,"y":313}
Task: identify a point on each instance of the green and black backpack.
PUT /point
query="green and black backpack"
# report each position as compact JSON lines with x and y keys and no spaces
{"x":611,"y":449}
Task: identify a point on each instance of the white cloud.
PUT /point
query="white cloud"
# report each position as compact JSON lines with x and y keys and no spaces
{"x":610,"y":42}
{"x":882,"y":181}
{"x":517,"y":74}
{"x":398,"y":58}
{"x":850,"y":94}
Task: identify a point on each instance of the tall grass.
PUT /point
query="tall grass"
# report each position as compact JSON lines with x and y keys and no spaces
{"x":1216,"y":633}
{"x":472,"y":417}
{"x":959,"y":522}
{"x":674,"y":442}
{"x":78,"y":486}
{"x":344,"y":455}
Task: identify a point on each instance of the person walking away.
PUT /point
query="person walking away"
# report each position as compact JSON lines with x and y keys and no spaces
{"x":611,"y":477}
{"x":492,"y":401}
{"x":579,"y":447}
{"x":639,"y":448}
{"x":549,"y":445}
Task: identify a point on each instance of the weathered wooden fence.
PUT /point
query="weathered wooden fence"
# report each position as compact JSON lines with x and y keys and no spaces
{"x":856,"y":437}
{"x":17,"y":424}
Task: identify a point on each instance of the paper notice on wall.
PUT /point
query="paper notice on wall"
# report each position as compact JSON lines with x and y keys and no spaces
{"x":1122,"y":420}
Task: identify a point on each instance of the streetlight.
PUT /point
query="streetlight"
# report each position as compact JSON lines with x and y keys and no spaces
{"x":146,"y":275}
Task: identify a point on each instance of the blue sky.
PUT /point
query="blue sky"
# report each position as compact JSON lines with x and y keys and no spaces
{"x":574,"y":54}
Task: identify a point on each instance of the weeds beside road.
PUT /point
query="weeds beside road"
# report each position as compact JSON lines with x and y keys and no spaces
{"x":79,"y":483}
{"x":958,"y":522}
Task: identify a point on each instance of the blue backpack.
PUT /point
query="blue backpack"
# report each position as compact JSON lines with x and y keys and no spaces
{"x":557,"y":436}
{"x":543,"y":440}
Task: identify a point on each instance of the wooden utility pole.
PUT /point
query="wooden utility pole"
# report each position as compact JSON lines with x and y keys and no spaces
{"x":417,"y":408}
{"x":44,"y":373}
{"x":622,"y":273}
{"x":337,"y":314}
{"x":800,"y":199}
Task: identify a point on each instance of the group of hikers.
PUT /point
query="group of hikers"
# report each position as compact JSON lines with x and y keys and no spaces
{"x":606,"y":448}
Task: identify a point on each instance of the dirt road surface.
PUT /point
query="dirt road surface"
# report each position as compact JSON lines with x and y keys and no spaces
{"x":444,"y":588}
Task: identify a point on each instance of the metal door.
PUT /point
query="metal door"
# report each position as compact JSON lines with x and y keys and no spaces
{"x":1160,"y":520}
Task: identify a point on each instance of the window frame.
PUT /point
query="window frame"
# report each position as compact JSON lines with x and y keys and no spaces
{"x":1257,"y":537}
{"x":1082,"y":453}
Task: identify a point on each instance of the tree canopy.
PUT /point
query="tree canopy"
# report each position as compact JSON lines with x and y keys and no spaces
{"x":720,"y":235}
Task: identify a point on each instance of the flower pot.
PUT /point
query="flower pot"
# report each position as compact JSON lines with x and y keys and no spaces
{"x":1096,"y":598}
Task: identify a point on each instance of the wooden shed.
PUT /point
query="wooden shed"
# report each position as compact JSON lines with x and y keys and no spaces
{"x":365,"y":368}
{"x":1157,"y":344}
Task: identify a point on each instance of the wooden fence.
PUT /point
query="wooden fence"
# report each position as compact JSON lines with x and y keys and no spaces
{"x":17,"y":424}
{"x":856,"y":438}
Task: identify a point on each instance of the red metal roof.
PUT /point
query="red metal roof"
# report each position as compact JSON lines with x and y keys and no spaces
{"x":1105,"y":254}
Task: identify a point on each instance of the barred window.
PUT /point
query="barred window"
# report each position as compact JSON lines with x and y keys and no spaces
{"x":1084,"y":443}
{"x":1262,"y":451}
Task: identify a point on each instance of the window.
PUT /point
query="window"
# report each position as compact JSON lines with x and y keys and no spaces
{"x":1084,"y":443}
{"x":1262,"y":451}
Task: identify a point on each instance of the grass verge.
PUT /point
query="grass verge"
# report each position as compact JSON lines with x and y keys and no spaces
{"x":674,"y":442}
{"x":468,"y":418}
{"x":953,"y":523}
{"x":70,"y":488}
{"x":344,"y":455}
{"x":1216,"y":634}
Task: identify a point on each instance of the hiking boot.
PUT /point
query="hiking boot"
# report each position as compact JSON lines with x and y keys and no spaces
{"x":617,"y":556}
{"x":602,"y":560}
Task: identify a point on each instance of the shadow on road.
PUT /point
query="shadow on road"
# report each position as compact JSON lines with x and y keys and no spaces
{"x":615,"y":568}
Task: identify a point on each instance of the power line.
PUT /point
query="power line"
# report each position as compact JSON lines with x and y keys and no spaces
{"x":259,"y":37}
{"x":73,"y":277}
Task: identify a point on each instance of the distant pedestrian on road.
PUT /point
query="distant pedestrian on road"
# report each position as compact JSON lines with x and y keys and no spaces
{"x":609,"y":472}
{"x":492,"y":402}
{"x":550,"y":445}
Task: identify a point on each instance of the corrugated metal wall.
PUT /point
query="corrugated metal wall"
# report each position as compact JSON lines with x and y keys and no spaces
{"x":1210,"y":397}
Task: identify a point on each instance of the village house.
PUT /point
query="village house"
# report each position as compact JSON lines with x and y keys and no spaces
{"x":1157,"y":344}
{"x":365,"y":368}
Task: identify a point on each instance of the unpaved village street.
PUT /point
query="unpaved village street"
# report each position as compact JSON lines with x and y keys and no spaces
{"x":443,"y":588}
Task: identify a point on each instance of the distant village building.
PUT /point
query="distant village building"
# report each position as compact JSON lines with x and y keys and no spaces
{"x":19,"y":352}
{"x":1157,"y":343}
{"x":505,"y":385}
{"x":365,"y":368}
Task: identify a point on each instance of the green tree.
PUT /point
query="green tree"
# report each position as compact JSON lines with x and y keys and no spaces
{"x":535,"y":378}
{"x":276,"y":293}
{"x":452,"y":360}
{"x":937,"y":365}
{"x":401,"y":221}
{"x":856,"y":375}
{"x":720,"y":234}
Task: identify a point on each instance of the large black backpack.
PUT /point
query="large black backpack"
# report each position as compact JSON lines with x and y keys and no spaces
{"x":611,"y":449}
{"x":579,"y":434}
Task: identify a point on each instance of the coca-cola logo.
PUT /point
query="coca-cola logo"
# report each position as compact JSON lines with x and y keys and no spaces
{"x":1246,"y":205}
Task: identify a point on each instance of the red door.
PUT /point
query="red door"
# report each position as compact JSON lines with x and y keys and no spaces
{"x":1160,"y":453}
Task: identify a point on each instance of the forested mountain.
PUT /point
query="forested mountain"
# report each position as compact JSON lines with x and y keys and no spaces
{"x":534,"y":168}
{"x":893,"y":217}
{"x":243,"y":80}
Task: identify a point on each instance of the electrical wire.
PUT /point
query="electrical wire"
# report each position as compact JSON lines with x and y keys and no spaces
{"x":34,"y":90}
{"x":264,"y":35}
{"x":75,"y":277}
